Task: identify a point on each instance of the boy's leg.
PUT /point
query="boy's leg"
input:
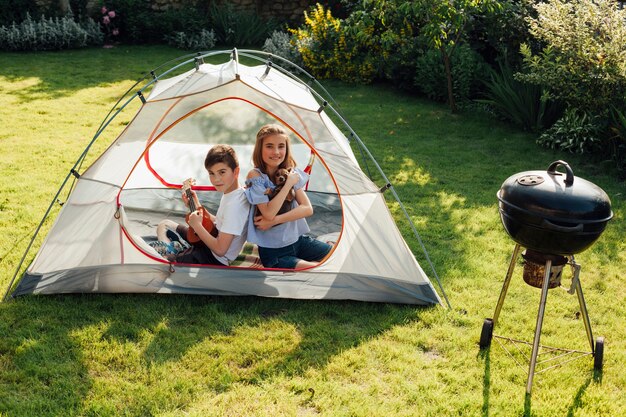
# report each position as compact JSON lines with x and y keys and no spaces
{"x":199,"y":254}
{"x":163,"y":227}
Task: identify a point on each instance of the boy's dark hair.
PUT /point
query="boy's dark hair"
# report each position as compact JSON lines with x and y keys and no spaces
{"x":221,"y":153}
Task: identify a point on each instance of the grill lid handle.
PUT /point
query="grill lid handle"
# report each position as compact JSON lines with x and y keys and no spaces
{"x":547,"y":224}
{"x":569,"y":174}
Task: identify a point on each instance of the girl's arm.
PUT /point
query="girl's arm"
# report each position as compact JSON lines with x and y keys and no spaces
{"x":304,"y":209}
{"x":218,"y":245}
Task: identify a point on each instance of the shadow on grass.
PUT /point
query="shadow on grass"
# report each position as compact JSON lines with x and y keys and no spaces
{"x":49,"y":342}
{"x":484,"y":354}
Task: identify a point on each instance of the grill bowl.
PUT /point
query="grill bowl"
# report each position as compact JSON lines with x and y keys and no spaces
{"x":553,"y":212}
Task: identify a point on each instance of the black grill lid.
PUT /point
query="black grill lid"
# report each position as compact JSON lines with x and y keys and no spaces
{"x":556,"y":196}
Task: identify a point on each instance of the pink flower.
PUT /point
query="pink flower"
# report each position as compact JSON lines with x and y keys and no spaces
{"x":106,"y":20}
{"x":104,"y":10}
{"x":115,"y":32}
{"x":112,"y":14}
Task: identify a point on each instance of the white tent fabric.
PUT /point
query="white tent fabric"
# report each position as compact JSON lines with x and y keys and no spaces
{"x":98,"y":242}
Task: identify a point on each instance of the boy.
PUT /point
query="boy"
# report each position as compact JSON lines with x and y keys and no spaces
{"x":231,"y":218}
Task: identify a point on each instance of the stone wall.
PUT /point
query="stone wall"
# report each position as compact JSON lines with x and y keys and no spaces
{"x":290,"y":10}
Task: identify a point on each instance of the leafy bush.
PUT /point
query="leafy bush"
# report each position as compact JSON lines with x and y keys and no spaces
{"x":203,"y":40}
{"x":521,"y":103}
{"x":380,"y":40}
{"x":14,"y":11}
{"x":140,"y":23}
{"x":318,"y":42}
{"x":575,"y":132}
{"x":468,"y":69}
{"x":280,"y":43}
{"x":375,"y":41}
{"x":583,"y":58}
{"x":49,"y":34}
{"x":498,"y":33}
{"x":238,"y":27}
{"x":618,"y":139}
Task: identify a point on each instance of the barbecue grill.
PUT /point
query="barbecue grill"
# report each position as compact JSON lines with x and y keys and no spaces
{"x":553,"y":215}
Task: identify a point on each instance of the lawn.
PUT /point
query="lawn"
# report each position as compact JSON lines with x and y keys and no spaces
{"x":151,"y":355}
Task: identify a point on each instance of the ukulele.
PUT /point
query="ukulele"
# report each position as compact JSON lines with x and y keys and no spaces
{"x":207,"y":223}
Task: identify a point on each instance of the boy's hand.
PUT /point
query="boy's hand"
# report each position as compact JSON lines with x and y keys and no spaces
{"x":263,"y":224}
{"x":292,"y":179}
{"x":195,"y":220}
{"x":186,"y":200}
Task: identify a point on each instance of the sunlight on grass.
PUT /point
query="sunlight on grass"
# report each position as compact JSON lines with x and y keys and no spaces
{"x":112,"y":355}
{"x":409,"y":172}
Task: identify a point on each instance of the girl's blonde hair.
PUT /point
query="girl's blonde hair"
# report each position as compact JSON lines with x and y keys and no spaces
{"x":257,"y":153}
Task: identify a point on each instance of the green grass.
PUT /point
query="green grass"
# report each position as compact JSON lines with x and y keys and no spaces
{"x":140,"y":355}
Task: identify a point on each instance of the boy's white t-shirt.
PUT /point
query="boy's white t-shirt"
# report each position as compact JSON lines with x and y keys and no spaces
{"x":232,"y":218}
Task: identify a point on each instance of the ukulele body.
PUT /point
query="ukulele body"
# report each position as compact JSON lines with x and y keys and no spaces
{"x":207,"y":223}
{"x":194,"y":205}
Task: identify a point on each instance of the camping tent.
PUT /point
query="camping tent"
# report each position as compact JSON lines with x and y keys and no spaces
{"x":99,"y":241}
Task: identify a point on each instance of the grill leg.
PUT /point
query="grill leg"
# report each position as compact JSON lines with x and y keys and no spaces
{"x":542,"y":309}
{"x":585,"y":314}
{"x":505,"y":285}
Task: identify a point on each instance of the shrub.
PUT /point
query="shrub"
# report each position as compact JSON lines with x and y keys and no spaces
{"x":378,"y":38}
{"x":318,"y":42}
{"x":15,"y":11}
{"x":282,"y":44}
{"x":498,"y":33}
{"x":49,"y":34}
{"x":521,"y":103}
{"x":618,"y":139}
{"x":108,"y":22}
{"x":238,"y":27}
{"x":203,"y":40}
{"x":468,"y":70}
{"x":138,"y":22}
{"x":359,"y":48}
{"x":583,"y":58}
{"x":576,"y":132}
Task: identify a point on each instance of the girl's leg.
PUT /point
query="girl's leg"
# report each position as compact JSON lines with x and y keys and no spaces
{"x":312,"y":250}
{"x":305,"y":264}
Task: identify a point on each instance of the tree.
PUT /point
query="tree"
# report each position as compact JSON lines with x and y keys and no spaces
{"x":444,"y":25}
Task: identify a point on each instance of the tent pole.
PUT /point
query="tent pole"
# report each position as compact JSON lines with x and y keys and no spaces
{"x":393,"y":190}
{"x":235,"y":56}
{"x":406,"y":214}
{"x":32,"y":240}
{"x":367,"y":166}
{"x":107,"y":120}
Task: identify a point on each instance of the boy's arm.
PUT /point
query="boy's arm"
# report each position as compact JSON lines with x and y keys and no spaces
{"x":304,"y":209}
{"x":219,"y":245}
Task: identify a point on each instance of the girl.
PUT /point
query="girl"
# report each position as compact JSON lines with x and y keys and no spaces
{"x":280,"y":237}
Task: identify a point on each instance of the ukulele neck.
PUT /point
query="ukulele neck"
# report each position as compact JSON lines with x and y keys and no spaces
{"x":192,"y":203}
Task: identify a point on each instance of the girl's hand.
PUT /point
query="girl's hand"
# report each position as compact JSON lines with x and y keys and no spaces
{"x":263,"y":224}
{"x":292,"y":179}
{"x":195,"y":220}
